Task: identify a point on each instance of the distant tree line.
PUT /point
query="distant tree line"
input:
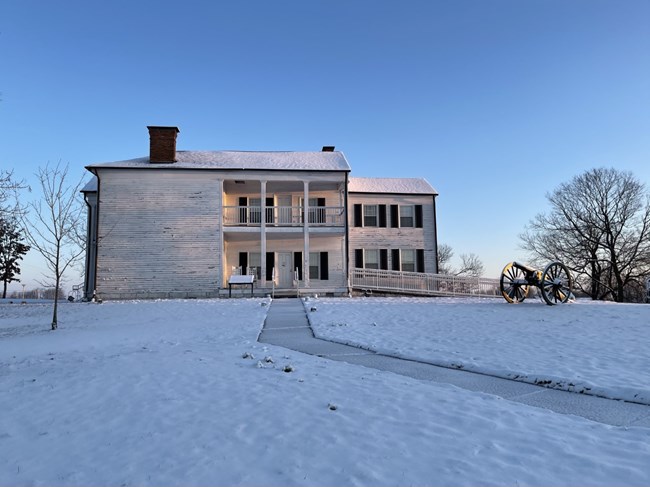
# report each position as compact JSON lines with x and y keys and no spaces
{"x":599,"y":226}
{"x":37,"y":293}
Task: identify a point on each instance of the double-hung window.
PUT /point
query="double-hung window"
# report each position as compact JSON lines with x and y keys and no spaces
{"x":372,"y":259}
{"x":318,"y":266}
{"x":408,"y":260}
{"x":314,"y":265}
{"x":406,"y":216}
{"x":370,"y":215}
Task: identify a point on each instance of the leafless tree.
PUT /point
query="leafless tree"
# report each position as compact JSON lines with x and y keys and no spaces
{"x":445,"y":253}
{"x":9,"y":188}
{"x":471,"y":265}
{"x":54,"y":226}
{"x":599,"y":225}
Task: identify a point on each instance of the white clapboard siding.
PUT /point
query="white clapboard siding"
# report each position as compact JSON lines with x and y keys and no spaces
{"x":159,"y":235}
{"x":394,"y":238}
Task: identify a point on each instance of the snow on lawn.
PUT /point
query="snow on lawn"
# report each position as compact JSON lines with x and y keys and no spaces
{"x":167,"y":393}
{"x":592,"y":347}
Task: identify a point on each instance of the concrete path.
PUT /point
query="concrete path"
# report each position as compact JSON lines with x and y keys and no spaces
{"x":287,"y":326}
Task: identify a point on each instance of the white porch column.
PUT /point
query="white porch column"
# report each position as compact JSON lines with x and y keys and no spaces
{"x":263,"y":234}
{"x":305,"y":254}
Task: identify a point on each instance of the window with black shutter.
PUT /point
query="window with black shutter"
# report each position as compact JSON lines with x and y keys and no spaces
{"x":382,"y":216}
{"x":420,"y":260}
{"x":394,"y":216}
{"x":269,"y":210}
{"x":270,"y":263}
{"x":383,"y":259}
{"x":358,"y":215}
{"x":324,"y":267}
{"x":297,"y":264}
{"x":243,"y":209}
{"x":358,"y":258}
{"x":395,"y":258}
{"x":419,"y":221}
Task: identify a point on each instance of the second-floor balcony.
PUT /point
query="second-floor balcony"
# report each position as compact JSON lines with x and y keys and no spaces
{"x":284,"y":216}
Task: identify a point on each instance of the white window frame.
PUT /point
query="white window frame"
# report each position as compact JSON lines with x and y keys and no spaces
{"x":402,"y":216}
{"x":407,"y":264}
{"x":368,"y":252}
{"x":314,"y":264}
{"x":372,"y":208}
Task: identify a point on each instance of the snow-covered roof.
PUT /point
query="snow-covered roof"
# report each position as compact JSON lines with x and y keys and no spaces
{"x":274,"y":161}
{"x":91,"y":186}
{"x":390,"y":185}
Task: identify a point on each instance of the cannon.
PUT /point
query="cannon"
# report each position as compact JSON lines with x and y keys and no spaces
{"x":554,"y":282}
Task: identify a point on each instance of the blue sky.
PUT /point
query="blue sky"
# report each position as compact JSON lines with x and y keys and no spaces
{"x":493,"y":102}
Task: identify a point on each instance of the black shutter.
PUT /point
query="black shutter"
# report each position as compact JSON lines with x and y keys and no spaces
{"x":270,"y":263}
{"x":418,"y":216}
{"x":297,"y":262}
{"x":243,"y":213}
{"x":395,"y":257}
{"x":243,"y":261}
{"x":320,"y":215}
{"x":419,"y":260}
{"x":358,"y":215}
{"x":358,"y":258}
{"x":394,"y":216}
{"x":324,"y":271}
{"x":269,"y":211}
{"x":383,"y":259}
{"x":382,"y":216}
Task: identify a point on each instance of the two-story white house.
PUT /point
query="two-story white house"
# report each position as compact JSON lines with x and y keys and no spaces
{"x":181,"y":223}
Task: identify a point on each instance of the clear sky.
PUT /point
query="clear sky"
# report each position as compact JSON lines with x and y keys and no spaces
{"x":494,"y":102}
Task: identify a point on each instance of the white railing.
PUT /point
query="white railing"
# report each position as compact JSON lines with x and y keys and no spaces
{"x":422,"y":283}
{"x":327,"y":216}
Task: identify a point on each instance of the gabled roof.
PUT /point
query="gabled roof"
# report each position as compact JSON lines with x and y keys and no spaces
{"x":390,"y":185}
{"x":271,"y":161}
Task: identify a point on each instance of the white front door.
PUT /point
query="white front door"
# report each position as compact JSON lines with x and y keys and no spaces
{"x":285,"y":271}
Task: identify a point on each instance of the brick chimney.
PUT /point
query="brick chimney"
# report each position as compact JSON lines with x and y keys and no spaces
{"x":162,"y":144}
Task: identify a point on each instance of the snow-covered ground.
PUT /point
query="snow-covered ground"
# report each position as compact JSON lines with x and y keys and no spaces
{"x":167,"y":393}
{"x":591,"y":347}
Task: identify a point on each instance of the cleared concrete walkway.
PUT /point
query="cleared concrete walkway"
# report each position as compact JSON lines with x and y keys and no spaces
{"x":287,"y":326}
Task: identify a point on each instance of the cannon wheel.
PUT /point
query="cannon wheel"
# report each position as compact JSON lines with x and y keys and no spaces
{"x":514,"y":286}
{"x":556,"y":283}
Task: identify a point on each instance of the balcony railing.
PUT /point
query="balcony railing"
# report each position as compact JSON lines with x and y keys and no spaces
{"x":284,"y":216}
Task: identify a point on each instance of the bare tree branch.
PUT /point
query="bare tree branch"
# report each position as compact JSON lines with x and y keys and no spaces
{"x":55,"y":223}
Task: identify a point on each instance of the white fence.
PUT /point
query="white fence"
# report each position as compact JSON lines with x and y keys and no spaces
{"x":421,"y":283}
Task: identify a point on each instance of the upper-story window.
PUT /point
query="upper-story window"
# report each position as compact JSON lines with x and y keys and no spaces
{"x":370,"y":215}
{"x":406,"y":216}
